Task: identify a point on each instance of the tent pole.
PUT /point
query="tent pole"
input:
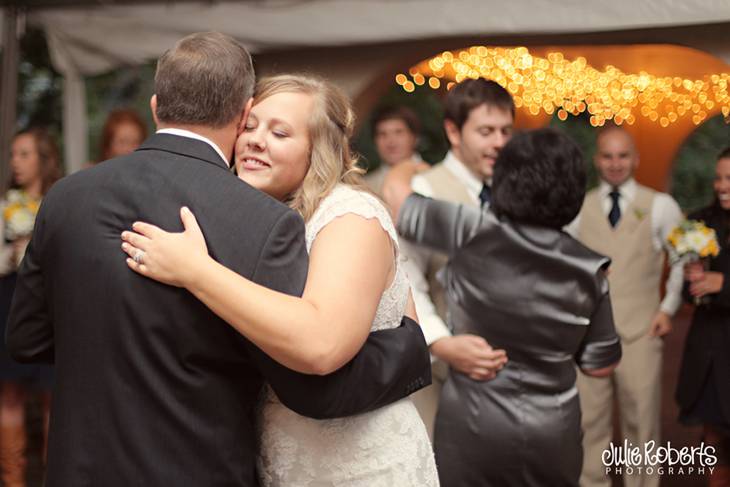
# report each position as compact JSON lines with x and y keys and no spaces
{"x":8,"y":90}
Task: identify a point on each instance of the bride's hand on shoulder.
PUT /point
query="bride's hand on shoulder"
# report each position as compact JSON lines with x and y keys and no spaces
{"x":171,"y":258}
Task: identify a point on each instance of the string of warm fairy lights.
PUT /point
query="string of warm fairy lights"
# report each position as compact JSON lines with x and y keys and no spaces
{"x":555,"y":84}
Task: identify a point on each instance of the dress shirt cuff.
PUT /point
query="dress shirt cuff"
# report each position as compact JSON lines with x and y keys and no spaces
{"x":670,"y":304}
{"x":434,"y":329}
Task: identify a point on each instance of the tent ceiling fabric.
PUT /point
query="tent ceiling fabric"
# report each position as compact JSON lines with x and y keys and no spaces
{"x":91,"y":40}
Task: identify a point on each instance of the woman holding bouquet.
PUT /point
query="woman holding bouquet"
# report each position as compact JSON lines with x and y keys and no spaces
{"x":703,"y":393}
{"x":34,"y":164}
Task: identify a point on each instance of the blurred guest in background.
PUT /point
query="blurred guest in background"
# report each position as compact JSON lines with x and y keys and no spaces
{"x":703,"y":392}
{"x":629,"y":223}
{"x":395,"y":133}
{"x":123,"y":132}
{"x":517,"y":281}
{"x":35,"y":166}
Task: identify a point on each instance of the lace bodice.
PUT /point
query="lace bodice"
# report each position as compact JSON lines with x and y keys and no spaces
{"x":383,"y":448}
{"x":347,"y":200}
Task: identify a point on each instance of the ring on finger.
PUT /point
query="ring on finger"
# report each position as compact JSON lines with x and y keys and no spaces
{"x":138,"y":257}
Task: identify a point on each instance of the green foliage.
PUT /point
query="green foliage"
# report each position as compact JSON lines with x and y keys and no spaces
{"x":40,"y":91}
{"x":40,"y":87}
{"x":580,"y":130}
{"x":694,"y":167}
{"x":432,"y":144}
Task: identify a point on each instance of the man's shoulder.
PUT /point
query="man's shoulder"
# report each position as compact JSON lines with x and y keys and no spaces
{"x":435,"y":169}
{"x":664,"y":199}
{"x":430,"y":176}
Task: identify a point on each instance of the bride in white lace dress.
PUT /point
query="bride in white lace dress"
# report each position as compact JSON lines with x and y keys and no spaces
{"x":295,"y":147}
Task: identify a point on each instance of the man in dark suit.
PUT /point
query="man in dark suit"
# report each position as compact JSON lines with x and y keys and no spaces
{"x":153,"y":389}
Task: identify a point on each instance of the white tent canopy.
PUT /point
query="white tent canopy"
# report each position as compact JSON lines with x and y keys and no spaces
{"x":93,"y":39}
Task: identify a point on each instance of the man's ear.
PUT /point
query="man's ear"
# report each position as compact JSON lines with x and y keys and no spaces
{"x":452,"y":133}
{"x":244,"y":116}
{"x":153,"y":107}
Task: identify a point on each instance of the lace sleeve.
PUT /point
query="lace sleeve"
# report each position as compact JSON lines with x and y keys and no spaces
{"x":346,"y":200}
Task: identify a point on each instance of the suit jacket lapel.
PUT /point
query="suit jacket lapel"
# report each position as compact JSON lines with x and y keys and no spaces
{"x":184,"y":146}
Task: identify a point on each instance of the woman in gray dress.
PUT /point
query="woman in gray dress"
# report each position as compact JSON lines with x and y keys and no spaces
{"x":517,"y":280}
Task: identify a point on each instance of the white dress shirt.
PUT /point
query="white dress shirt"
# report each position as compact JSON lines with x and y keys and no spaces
{"x":417,"y":257}
{"x":193,"y":135}
{"x":665,"y":216}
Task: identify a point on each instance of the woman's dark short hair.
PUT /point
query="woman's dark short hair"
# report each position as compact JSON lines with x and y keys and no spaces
{"x":539,"y":178}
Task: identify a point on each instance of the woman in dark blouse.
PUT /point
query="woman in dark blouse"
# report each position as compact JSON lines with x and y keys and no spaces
{"x":518,"y":281}
{"x":703,"y":392}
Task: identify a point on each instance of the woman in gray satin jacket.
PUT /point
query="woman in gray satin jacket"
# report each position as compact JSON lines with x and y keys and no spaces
{"x":517,"y":280}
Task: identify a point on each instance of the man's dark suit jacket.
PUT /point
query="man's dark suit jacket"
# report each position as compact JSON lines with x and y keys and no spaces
{"x":152,"y":389}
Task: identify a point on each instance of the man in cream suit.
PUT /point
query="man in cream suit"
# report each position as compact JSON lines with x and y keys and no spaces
{"x":478,"y":121}
{"x":629,"y":223}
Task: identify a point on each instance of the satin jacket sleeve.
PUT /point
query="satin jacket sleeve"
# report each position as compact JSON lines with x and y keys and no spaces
{"x":440,"y":225}
{"x":601,"y":345}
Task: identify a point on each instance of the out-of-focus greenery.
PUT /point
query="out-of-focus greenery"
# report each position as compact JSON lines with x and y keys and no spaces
{"x":694,"y":167}
{"x":40,"y":92}
{"x":39,"y":102}
{"x":580,"y":130}
{"x":426,"y":103}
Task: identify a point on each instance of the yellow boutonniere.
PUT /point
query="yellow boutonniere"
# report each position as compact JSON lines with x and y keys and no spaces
{"x":640,"y":213}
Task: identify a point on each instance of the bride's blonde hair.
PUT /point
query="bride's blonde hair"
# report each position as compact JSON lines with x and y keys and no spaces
{"x":330,"y":128}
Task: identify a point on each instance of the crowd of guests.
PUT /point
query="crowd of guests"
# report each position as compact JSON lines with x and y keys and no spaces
{"x":540,"y":303}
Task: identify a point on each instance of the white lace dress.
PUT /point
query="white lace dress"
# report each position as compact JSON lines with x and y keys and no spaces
{"x":387,"y":447}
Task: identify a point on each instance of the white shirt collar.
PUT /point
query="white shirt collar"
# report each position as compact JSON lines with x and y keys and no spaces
{"x":627,"y":190}
{"x":193,"y":135}
{"x":463,"y":174}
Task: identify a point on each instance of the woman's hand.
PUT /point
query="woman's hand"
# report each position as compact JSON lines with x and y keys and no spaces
{"x":171,"y":258}
{"x":693,"y":271}
{"x":707,"y":283}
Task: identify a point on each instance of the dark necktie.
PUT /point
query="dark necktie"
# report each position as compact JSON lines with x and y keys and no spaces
{"x":485,"y":195}
{"x":615,"y":214}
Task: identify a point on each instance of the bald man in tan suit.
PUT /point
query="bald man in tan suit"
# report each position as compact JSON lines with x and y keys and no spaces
{"x":629,"y":223}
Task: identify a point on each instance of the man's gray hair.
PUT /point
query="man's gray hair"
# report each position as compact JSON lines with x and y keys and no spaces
{"x":205,"y":79}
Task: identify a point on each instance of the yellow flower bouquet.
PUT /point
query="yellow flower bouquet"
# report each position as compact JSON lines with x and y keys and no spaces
{"x":692,"y":240}
{"x":19,"y":217}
